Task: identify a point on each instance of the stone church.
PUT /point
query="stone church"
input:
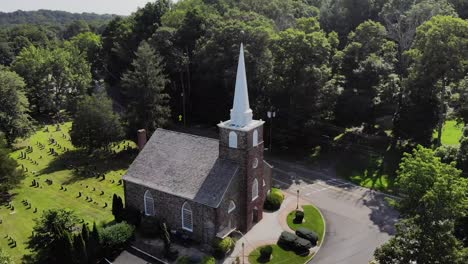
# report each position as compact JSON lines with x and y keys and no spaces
{"x":204,"y":187}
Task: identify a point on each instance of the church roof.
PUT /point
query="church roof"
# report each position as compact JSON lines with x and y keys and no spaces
{"x":183,"y":165}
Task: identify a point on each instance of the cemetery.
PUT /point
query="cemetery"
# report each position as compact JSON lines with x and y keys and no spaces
{"x":59,"y":176}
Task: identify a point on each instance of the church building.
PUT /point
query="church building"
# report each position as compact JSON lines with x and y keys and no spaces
{"x":201,"y":186}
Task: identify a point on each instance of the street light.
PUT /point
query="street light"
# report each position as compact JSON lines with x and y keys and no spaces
{"x":271,"y":114}
{"x":297,"y":206}
{"x":242,"y":252}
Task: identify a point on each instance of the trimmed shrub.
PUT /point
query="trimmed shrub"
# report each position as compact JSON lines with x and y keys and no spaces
{"x":299,"y":217}
{"x":274,"y":199}
{"x":114,"y":238}
{"x":287,"y":239}
{"x":302,"y":245}
{"x":208,"y":260}
{"x":265,"y":252}
{"x":308,"y":234}
{"x":222,"y":247}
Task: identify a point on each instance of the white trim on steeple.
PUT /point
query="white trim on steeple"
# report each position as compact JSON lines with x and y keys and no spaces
{"x":241,"y":114}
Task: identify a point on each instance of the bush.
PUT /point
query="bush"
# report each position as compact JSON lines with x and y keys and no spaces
{"x":208,"y":260}
{"x":221,"y":247}
{"x":265,"y":252}
{"x":299,"y":217}
{"x":114,"y":238}
{"x":274,"y":199}
{"x":308,"y":234}
{"x":287,"y":239}
{"x":302,"y":245}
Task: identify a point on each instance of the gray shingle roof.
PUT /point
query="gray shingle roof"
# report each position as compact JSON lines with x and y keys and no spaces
{"x":183,"y":165}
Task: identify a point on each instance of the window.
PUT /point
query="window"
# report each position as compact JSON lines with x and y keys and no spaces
{"x":187,"y":219}
{"x":232,"y":206}
{"x":232,"y":139}
{"x":255,"y":163}
{"x":255,"y":138}
{"x":255,"y":189}
{"x":264,"y":183}
{"x":149,"y":203}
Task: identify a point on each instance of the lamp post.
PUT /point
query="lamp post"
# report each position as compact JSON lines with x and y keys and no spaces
{"x":271,"y":114}
{"x":297,"y":206}
{"x":242,"y":252}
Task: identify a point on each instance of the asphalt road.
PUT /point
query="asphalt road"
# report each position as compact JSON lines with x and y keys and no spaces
{"x":358,"y":219}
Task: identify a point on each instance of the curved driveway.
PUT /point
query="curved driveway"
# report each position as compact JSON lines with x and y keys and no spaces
{"x":358,"y":219}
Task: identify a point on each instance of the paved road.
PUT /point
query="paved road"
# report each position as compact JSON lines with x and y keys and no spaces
{"x":358,"y":219}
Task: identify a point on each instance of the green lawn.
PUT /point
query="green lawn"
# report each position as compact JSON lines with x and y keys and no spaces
{"x":313,"y":221}
{"x":451,"y":133}
{"x":18,"y":223}
{"x":279,"y":255}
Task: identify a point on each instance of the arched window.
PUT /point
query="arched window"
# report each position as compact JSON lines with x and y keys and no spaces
{"x":255,"y":138}
{"x":187,"y":218}
{"x":232,"y":206}
{"x":149,"y":203}
{"x":254,"y":189}
{"x":232,"y":139}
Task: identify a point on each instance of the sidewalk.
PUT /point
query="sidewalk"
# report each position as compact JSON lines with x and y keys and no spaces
{"x":267,"y":231}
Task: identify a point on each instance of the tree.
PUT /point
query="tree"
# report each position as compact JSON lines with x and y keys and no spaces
{"x":117,"y":208}
{"x":402,"y":17}
{"x":462,"y":155}
{"x":85,"y":233}
{"x":79,"y":246}
{"x":47,"y":237}
{"x":55,"y":78}
{"x":93,"y":244}
{"x":368,"y":66}
{"x":10,"y":176}
{"x":74,"y":28}
{"x":144,"y":86}
{"x":63,"y":249}
{"x":434,"y":197}
{"x":14,"y":119}
{"x":90,"y":44}
{"x":95,"y":124}
{"x":441,"y":41}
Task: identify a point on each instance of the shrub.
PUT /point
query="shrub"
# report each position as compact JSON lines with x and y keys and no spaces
{"x":302,"y":245}
{"x":265,"y":252}
{"x":221,"y":247}
{"x":274,"y":199}
{"x":308,"y":234}
{"x":115,"y":237}
{"x":299,"y":217}
{"x":287,"y":239}
{"x":208,"y":260}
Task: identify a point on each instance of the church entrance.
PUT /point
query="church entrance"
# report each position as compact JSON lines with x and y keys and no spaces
{"x":255,"y":214}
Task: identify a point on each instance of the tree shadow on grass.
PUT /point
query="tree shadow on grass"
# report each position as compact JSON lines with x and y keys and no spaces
{"x":84,"y":165}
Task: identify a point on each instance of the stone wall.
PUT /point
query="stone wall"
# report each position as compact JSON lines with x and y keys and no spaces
{"x":169,"y":208}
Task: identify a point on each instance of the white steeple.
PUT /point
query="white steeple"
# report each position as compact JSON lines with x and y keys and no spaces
{"x":241,"y":114}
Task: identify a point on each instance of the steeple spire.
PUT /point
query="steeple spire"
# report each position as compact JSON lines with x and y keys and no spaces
{"x":241,"y":114}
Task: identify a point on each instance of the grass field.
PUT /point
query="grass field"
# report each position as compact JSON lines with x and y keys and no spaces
{"x":313,"y":221}
{"x":73,"y":169}
{"x":278,"y":256}
{"x":451,"y":133}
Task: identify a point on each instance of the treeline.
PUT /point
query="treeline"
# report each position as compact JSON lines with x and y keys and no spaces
{"x":50,"y":17}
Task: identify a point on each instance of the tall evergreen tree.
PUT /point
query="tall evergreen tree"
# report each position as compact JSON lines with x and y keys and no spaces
{"x":144,"y":87}
{"x":80,"y":254}
{"x":93,"y":245}
{"x":85,"y":233}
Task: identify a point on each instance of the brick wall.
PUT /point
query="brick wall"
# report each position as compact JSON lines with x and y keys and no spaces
{"x":169,"y":207}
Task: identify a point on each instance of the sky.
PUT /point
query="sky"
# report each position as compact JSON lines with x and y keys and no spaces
{"x":118,"y":7}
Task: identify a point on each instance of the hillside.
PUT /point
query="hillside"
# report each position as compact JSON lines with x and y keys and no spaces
{"x":43,"y":17}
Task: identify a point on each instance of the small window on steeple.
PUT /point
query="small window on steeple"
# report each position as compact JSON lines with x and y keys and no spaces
{"x":255,"y":138}
{"x":232,"y":139}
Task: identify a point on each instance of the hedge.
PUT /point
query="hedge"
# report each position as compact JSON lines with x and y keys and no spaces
{"x":299,"y":217}
{"x":294,"y":242}
{"x":308,"y":234}
{"x":221,"y":247}
{"x":265,"y":252}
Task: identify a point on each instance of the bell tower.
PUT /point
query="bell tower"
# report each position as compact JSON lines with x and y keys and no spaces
{"x":241,"y":140}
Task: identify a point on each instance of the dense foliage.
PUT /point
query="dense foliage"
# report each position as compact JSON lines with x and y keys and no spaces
{"x":10,"y":175}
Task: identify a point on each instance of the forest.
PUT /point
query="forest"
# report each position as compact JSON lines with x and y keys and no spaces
{"x":369,"y":84}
